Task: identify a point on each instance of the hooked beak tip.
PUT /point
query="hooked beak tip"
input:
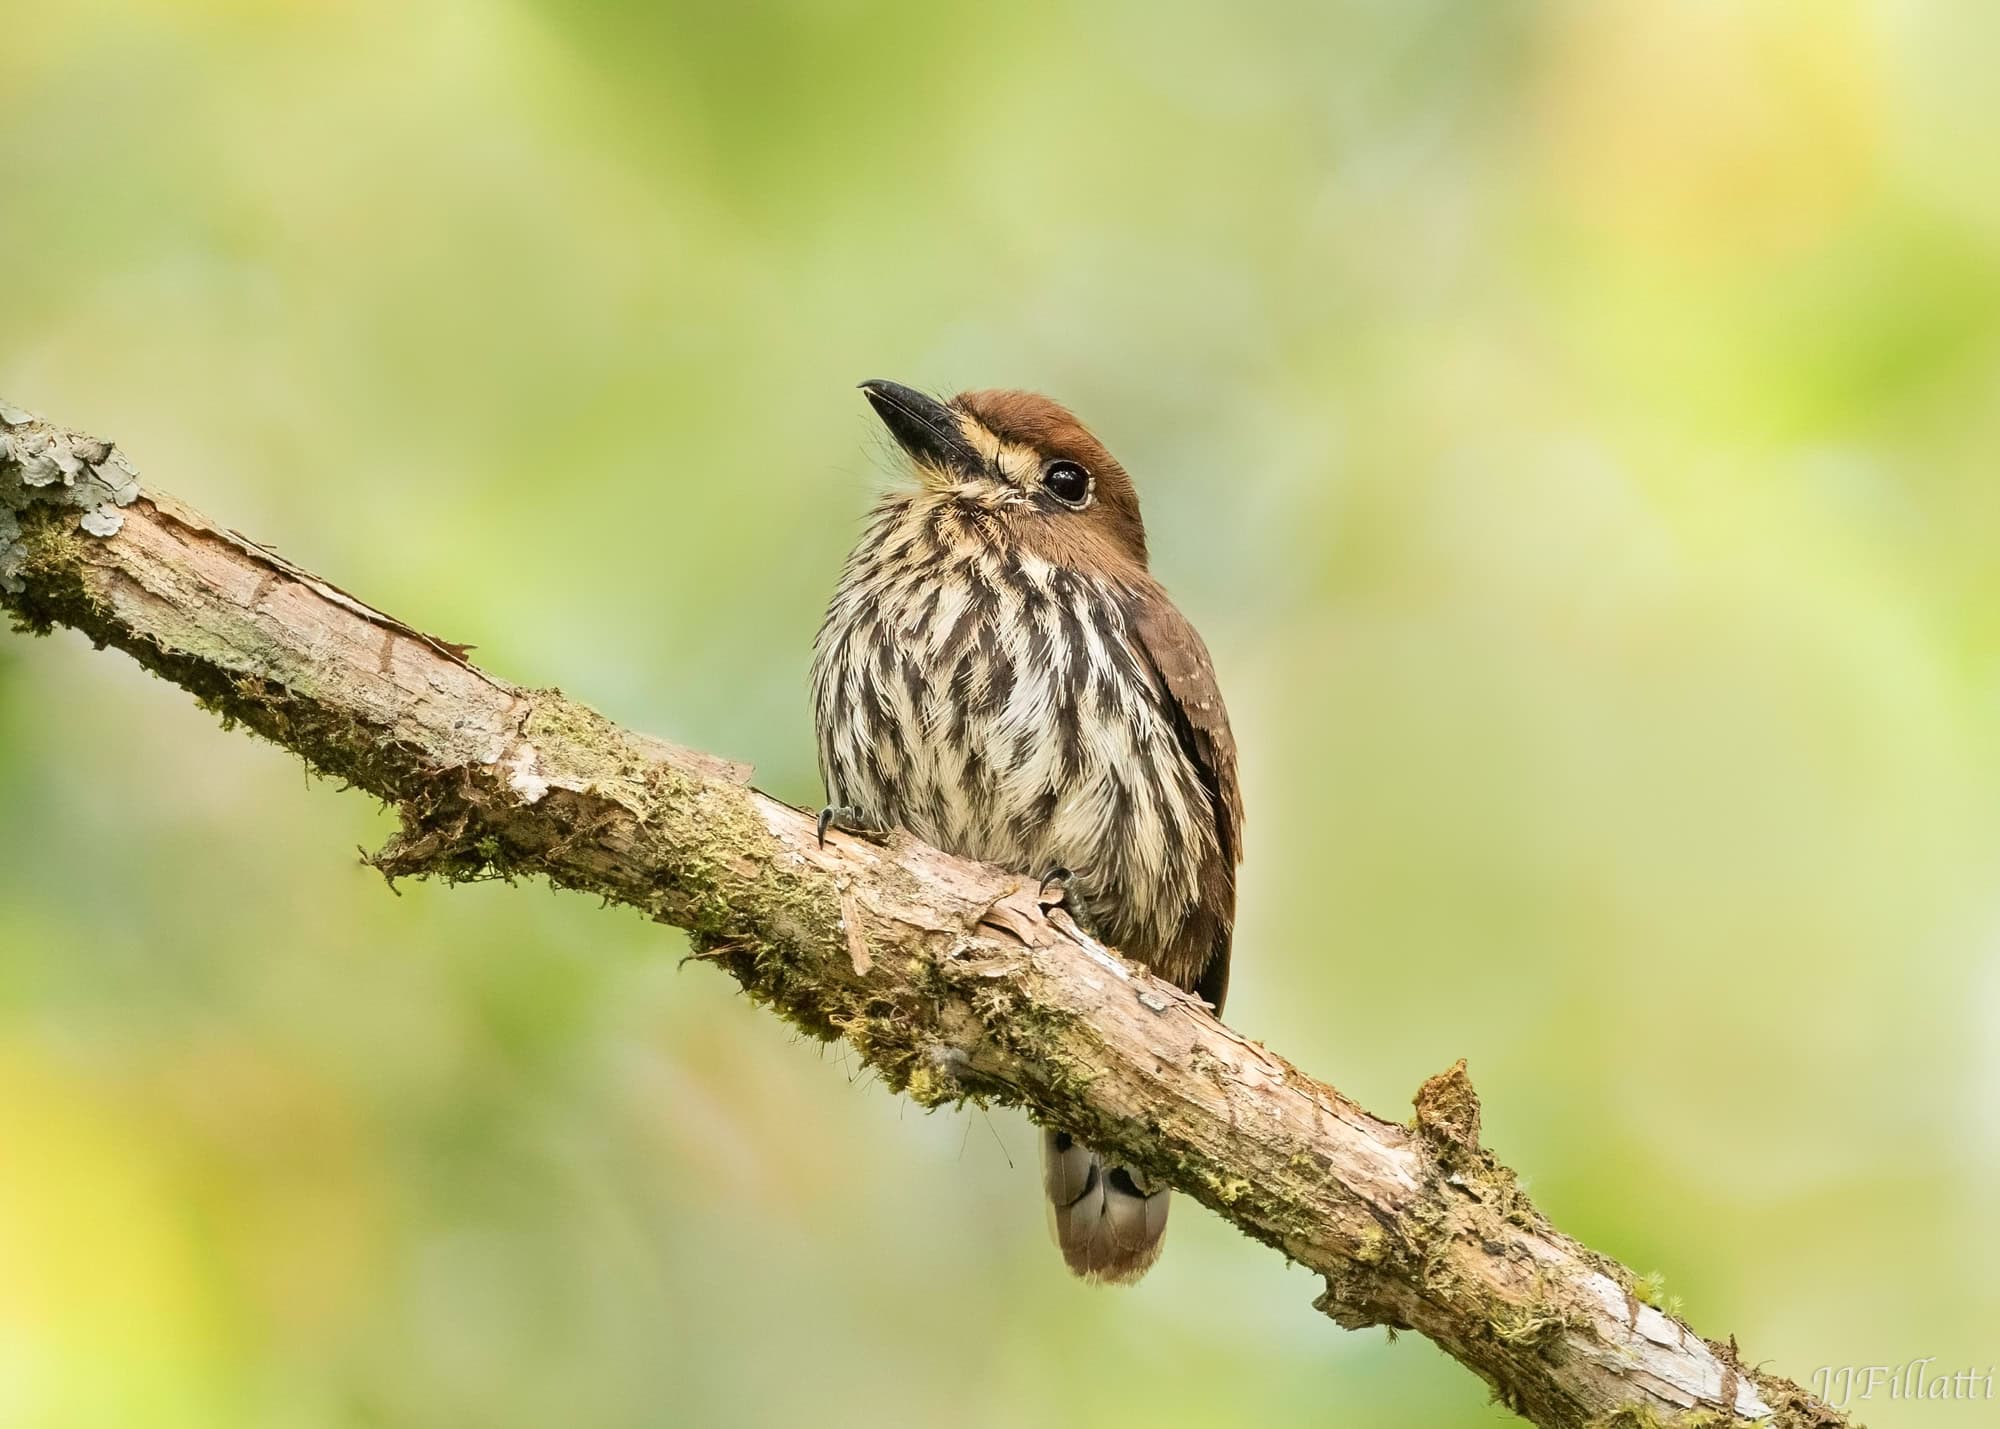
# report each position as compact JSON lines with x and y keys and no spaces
{"x":924,"y":427}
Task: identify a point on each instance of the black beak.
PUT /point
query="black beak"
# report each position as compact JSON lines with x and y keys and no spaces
{"x":924,"y":427}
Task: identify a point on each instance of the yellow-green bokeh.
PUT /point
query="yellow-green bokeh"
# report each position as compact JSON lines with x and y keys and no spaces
{"x":1574,"y":424}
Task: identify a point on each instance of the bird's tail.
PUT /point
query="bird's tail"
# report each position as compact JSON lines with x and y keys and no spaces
{"x":1108,"y":1220}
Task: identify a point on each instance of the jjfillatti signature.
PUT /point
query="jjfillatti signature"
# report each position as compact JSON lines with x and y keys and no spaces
{"x":1841,"y":1384}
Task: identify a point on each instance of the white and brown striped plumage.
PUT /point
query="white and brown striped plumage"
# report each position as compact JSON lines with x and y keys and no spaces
{"x":999,"y":674}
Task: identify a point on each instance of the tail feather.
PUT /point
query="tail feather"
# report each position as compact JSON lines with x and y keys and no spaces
{"x":1108,"y":1220}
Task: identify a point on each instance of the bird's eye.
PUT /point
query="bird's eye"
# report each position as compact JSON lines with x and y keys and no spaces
{"x":1067,"y":482}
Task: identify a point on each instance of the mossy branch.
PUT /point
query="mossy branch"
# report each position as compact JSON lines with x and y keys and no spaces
{"x":953,"y":980}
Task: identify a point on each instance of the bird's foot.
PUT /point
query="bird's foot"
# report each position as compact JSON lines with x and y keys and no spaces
{"x":848,"y":820}
{"x":1059,"y":888}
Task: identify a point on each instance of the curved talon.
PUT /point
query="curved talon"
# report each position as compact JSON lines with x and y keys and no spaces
{"x":848,"y":820}
{"x":1059,"y":879}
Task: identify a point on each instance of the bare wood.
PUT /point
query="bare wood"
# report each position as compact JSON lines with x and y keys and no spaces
{"x":951,"y":979}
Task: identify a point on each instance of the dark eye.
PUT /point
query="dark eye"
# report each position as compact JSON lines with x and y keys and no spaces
{"x":1067,"y":482}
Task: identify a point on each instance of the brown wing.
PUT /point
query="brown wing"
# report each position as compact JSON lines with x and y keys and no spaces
{"x":1187,"y":684}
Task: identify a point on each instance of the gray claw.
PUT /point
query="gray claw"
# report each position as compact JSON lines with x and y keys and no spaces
{"x":848,"y":820}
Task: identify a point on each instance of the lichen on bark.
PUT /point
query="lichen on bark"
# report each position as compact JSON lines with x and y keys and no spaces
{"x":47,"y":466}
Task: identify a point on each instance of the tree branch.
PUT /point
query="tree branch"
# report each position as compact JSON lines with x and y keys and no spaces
{"x":951,"y":979}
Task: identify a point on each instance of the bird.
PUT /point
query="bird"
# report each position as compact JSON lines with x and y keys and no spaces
{"x":1000,"y":674}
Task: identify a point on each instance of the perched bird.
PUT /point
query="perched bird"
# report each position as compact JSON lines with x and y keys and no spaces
{"x":1000,"y":674}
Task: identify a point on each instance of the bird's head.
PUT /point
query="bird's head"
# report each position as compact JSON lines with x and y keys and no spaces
{"x":1027,"y":460}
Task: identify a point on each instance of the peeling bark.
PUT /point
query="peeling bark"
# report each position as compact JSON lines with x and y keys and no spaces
{"x":955,"y":981}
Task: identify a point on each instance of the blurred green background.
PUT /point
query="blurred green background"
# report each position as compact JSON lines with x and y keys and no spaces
{"x":1574,"y":426}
